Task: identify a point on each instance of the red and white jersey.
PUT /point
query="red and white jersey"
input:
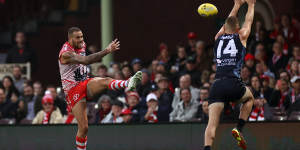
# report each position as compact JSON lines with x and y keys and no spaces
{"x":72,"y":74}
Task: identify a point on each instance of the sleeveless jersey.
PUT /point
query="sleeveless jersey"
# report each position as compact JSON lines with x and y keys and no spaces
{"x":229,"y":56}
{"x":72,"y":74}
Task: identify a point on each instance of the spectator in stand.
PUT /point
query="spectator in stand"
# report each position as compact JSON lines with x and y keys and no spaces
{"x":17,"y":77}
{"x":260,"y":53}
{"x":136,"y":65}
{"x":285,"y":47}
{"x":201,"y":58}
{"x":114,"y":68}
{"x":26,"y":106}
{"x":293,"y":71}
{"x":191,"y":47}
{"x":9,"y":86}
{"x":267,"y":71}
{"x":60,"y":103}
{"x":278,"y":60}
{"x":266,"y":89}
{"x":50,"y":114}
{"x":152,"y":69}
{"x":205,"y":76}
{"x":212,"y":77}
{"x":126,"y":115}
{"x":185,"y":82}
{"x":190,"y":68}
{"x":288,"y":30}
{"x":133,"y":102}
{"x":294,"y":95}
{"x":204,"y":93}
{"x":152,"y":105}
{"x":38,"y":88}
{"x":8,"y":107}
{"x":202,"y":112}
{"x":127,"y":71}
{"x":102,"y":71}
{"x":257,"y":113}
{"x":295,"y":54}
{"x":21,"y":52}
{"x":115,"y":115}
{"x":164,"y":55}
{"x":276,"y":29}
{"x":250,"y":62}
{"x":185,"y":110}
{"x":245,"y":75}
{"x":259,"y":70}
{"x":38,"y":95}
{"x":118,"y":76}
{"x":283,"y":74}
{"x":104,"y":108}
{"x":279,"y":96}
{"x":165,"y":99}
{"x":178,"y":61}
{"x":256,"y":86}
{"x":161,"y":68}
{"x":92,"y":49}
{"x":145,"y":87}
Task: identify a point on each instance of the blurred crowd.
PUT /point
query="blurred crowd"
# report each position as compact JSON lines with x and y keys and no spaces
{"x":175,"y":86}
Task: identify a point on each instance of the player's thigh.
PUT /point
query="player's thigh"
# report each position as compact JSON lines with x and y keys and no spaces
{"x":247,"y":95}
{"x":214,"y":113}
{"x":79,"y":112}
{"x":97,"y":85}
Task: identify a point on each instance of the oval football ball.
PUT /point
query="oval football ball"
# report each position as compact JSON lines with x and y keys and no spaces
{"x":207,"y":10}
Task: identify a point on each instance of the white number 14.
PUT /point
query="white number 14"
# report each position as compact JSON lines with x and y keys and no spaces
{"x":229,"y":49}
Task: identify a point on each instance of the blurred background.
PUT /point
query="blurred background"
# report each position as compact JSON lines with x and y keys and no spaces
{"x":167,"y":40}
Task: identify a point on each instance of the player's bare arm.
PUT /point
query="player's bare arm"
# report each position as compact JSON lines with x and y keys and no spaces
{"x":246,"y":29}
{"x":234,"y":11}
{"x":73,"y":58}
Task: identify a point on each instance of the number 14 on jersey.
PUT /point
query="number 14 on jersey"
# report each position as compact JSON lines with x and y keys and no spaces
{"x":229,"y":49}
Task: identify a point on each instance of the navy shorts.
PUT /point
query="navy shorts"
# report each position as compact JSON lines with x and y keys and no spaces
{"x":226,"y":90}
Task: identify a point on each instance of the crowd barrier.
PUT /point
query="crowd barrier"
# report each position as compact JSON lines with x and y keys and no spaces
{"x":178,"y":136}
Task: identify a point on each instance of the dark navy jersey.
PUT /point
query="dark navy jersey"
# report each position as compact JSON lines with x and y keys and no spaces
{"x":229,"y":55}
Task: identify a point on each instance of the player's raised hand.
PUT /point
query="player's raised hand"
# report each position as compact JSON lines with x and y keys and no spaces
{"x":113,"y":46}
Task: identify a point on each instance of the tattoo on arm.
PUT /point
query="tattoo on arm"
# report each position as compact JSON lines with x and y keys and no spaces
{"x":72,"y":58}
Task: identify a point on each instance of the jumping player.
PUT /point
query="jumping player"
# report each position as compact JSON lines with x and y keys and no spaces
{"x":76,"y":84}
{"x":229,"y":51}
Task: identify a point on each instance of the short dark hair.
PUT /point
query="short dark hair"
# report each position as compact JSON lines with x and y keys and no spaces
{"x":51,"y":86}
{"x":185,"y":89}
{"x":231,"y":22}
{"x":204,"y":88}
{"x":102,"y":67}
{"x":72,"y":30}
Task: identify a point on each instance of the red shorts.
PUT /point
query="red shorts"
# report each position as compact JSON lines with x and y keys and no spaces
{"x":76,"y":94}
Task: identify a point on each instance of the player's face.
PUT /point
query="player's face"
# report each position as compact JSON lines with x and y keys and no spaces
{"x":77,"y":39}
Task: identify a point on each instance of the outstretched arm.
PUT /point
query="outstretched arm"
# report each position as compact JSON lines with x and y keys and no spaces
{"x":234,"y":11}
{"x":246,"y":29}
{"x":72,"y":58}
